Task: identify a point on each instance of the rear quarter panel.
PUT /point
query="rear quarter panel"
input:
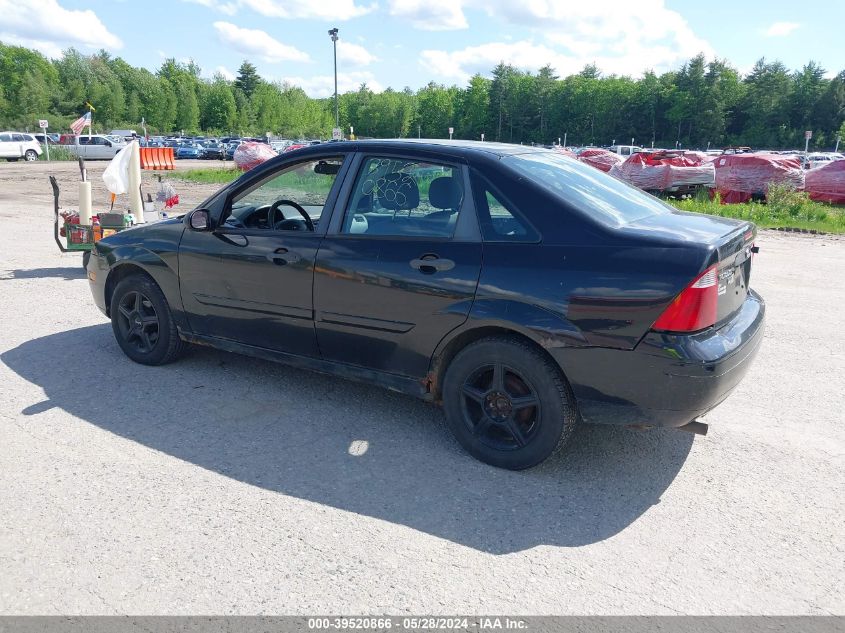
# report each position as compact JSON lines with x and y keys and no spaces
{"x":599,"y":295}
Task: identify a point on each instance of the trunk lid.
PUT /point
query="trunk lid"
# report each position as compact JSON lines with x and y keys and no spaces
{"x":731,"y":240}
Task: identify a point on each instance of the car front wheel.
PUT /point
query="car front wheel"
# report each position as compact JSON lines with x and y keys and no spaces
{"x":143,"y":323}
{"x":507,"y":404}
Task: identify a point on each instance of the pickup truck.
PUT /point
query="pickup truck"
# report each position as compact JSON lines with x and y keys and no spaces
{"x":93,"y":146}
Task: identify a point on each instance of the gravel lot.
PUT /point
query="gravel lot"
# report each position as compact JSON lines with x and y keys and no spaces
{"x":224,"y":485}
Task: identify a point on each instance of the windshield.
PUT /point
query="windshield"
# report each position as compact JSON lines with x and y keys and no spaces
{"x":603,"y":197}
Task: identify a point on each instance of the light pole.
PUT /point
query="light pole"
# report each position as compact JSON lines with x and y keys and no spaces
{"x":333,"y":34}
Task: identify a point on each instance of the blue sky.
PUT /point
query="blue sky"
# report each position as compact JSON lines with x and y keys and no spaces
{"x":410,"y":42}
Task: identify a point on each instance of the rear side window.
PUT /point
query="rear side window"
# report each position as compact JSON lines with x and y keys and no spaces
{"x":19,"y":138}
{"x":499,"y":219}
{"x":593,"y":192}
{"x":405,"y":198}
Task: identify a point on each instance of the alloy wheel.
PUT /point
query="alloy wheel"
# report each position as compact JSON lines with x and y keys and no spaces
{"x":500,"y":407}
{"x":138,"y":322}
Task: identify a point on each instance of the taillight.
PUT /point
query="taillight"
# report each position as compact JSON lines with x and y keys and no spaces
{"x":693,"y":309}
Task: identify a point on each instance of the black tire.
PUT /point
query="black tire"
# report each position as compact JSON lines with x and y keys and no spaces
{"x":30,"y":155}
{"x":490,"y":410}
{"x":143,"y":323}
{"x":86,"y":257}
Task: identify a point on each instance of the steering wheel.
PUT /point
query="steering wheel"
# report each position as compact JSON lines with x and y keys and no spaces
{"x":274,"y":209}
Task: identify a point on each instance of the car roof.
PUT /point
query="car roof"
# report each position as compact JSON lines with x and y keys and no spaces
{"x":460,"y":148}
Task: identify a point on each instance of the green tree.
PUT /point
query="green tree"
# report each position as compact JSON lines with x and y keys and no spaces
{"x":474,"y":108}
{"x":219,"y":110}
{"x":247,"y":79}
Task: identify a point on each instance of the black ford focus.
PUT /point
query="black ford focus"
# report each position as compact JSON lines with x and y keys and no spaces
{"x":521,"y":289}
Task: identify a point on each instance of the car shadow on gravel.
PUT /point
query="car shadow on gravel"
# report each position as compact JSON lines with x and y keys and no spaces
{"x":350,"y":446}
{"x":68,"y":273}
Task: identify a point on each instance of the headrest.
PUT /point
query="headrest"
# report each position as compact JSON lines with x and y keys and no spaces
{"x":445,"y":193}
{"x":398,"y":192}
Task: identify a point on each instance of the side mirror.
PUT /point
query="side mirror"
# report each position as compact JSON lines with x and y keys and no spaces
{"x":199,"y":220}
{"x":108,"y":143}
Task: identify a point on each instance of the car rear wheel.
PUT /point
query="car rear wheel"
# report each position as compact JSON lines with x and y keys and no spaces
{"x":31,"y":155}
{"x":143,"y":323}
{"x":507,"y":404}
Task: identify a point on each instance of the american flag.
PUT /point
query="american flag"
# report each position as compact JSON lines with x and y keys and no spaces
{"x":79,"y":125}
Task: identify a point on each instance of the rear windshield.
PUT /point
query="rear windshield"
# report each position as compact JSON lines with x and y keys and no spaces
{"x":599,"y":195}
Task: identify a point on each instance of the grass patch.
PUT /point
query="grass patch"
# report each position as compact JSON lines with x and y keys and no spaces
{"x":785,"y":208}
{"x":57,"y":153}
{"x":210,"y":176}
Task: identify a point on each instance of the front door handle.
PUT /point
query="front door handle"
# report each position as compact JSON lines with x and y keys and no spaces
{"x":282,"y":257}
{"x":431,"y":263}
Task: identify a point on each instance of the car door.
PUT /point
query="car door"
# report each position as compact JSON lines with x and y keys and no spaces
{"x":399,"y":267}
{"x":82,"y":143}
{"x":250,"y":278}
{"x":7,"y":148}
{"x":100,"y":148}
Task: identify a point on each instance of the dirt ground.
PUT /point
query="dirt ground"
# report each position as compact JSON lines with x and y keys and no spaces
{"x":24,"y":186}
{"x":227,"y":485}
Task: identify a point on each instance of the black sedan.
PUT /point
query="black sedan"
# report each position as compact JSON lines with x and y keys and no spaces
{"x":523,"y":290}
{"x":214,"y":151}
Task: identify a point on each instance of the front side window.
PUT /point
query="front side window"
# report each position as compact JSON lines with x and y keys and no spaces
{"x":5,"y":138}
{"x":292,"y":199}
{"x":404,"y":198}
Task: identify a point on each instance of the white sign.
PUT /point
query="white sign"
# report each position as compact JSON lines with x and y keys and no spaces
{"x":337,"y":134}
{"x":482,"y":136}
{"x":451,"y":130}
{"x":42,"y":123}
{"x":808,"y":134}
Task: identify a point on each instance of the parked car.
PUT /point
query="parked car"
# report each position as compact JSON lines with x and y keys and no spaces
{"x":46,"y":138}
{"x":294,"y":146}
{"x":625,"y":150}
{"x":92,"y":146}
{"x":189,"y":150}
{"x":16,"y":145}
{"x":124,"y":135}
{"x":817,"y":159}
{"x":214,"y":151}
{"x":593,"y":301}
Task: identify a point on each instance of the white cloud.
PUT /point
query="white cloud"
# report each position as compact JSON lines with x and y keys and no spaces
{"x":293,"y":9}
{"x":323,"y":85}
{"x":48,"y":27}
{"x":620,"y":37}
{"x":430,"y":15}
{"x":353,"y":54}
{"x":229,"y":8}
{"x":258,"y":43}
{"x":781,"y":29}
{"x":462,"y":64}
{"x":227,"y":74}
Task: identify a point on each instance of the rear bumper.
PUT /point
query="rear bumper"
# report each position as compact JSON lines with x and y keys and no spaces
{"x":667,"y":380}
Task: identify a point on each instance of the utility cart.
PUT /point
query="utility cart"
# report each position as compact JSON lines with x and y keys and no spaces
{"x":72,"y":237}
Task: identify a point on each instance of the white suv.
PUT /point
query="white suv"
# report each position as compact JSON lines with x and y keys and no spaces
{"x":15,"y":145}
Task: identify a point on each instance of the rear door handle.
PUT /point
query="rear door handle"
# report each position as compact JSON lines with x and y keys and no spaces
{"x":282,"y":256}
{"x":431,"y":263}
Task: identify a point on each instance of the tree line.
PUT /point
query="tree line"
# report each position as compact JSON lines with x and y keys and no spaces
{"x":701,"y":104}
